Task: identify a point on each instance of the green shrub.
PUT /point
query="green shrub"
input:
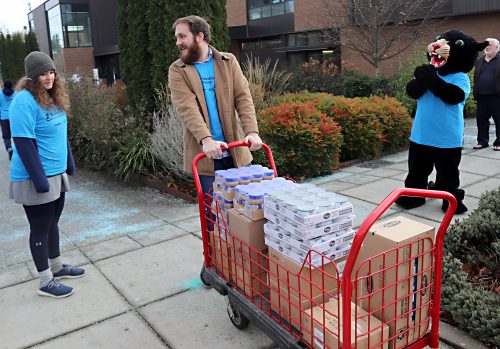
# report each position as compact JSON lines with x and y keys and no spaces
{"x":471,"y":271}
{"x":394,"y":118}
{"x":313,"y":76}
{"x":362,"y":130}
{"x":475,"y":239}
{"x":369,"y":125}
{"x":265,"y":80}
{"x":470,"y":103}
{"x":135,"y":156}
{"x":475,"y":310}
{"x":403,"y":77}
{"x":305,"y":141}
{"x":353,"y":84}
{"x":98,"y":125}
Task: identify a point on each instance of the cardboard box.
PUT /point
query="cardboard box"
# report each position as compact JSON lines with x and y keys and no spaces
{"x":396,"y":284}
{"x":292,"y":308}
{"x":370,"y":330}
{"x":250,"y":262}
{"x":220,"y":254}
{"x":311,"y":282}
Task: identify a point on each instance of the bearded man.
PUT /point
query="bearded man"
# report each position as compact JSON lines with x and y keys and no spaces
{"x":213,"y":100}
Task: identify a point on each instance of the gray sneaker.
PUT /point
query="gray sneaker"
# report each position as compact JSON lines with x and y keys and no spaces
{"x":55,"y":289}
{"x":69,"y":272}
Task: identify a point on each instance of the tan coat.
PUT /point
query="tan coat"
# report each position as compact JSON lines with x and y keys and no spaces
{"x":233,"y":100}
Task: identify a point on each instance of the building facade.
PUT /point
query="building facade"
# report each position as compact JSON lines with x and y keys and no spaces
{"x":80,"y":35}
{"x":83,"y":34}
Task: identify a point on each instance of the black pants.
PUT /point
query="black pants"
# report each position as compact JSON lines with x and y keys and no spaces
{"x":6,"y":133}
{"x":44,"y":231}
{"x":487,"y":107}
{"x":421,"y":161}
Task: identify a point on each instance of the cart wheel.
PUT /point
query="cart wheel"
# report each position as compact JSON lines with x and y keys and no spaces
{"x":239,"y":320}
{"x":203,"y":278}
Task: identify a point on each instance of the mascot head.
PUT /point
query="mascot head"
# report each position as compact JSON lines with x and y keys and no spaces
{"x":453,"y":52}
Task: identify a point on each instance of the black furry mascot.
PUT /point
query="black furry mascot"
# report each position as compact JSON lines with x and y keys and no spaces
{"x":440,"y":89}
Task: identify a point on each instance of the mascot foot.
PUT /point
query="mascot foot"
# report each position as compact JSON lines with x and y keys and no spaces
{"x":461,"y":208}
{"x":408,"y":202}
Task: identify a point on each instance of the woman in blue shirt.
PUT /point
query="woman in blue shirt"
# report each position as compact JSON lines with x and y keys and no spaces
{"x":6,"y":96}
{"x":41,"y":160}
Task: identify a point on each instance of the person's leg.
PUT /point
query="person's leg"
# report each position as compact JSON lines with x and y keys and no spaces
{"x":6,"y":136}
{"x":40,"y":218}
{"x":207,"y":184}
{"x":58,"y":268}
{"x":483,"y":124}
{"x":495,"y":112}
{"x":448,"y":176}
{"x":420,"y":165}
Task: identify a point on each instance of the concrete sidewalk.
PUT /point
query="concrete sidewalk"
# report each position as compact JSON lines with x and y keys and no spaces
{"x":142,"y":251}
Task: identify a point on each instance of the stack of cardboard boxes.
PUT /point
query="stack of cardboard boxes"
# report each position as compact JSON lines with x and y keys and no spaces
{"x":300,"y":279}
{"x":394,"y":277}
{"x":277,"y":249}
{"x":393,"y":290}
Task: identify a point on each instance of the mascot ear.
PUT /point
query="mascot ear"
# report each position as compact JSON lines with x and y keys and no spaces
{"x":479,"y":46}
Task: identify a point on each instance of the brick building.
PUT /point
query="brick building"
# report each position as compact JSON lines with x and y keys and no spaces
{"x":83,"y":34}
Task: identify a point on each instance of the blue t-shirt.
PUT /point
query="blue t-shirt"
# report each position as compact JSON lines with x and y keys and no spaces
{"x":206,"y":71}
{"x":439,"y":124}
{"x":47,"y":126}
{"x":5,"y":102}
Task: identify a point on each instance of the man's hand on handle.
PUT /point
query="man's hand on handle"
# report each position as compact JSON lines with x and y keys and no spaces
{"x":212,"y":148}
{"x":254,"y":140}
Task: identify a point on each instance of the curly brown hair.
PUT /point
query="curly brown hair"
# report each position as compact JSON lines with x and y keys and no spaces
{"x":55,"y":97}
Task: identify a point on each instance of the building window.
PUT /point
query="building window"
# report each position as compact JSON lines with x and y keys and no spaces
{"x":55,"y":30}
{"x":258,"y":9}
{"x":76,"y":25}
{"x":31,"y":22}
{"x":69,"y":26}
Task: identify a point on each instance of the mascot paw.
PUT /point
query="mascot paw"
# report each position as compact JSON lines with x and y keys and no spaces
{"x":425,"y":72}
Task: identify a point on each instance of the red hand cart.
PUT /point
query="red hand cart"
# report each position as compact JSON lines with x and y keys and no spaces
{"x":306,"y":307}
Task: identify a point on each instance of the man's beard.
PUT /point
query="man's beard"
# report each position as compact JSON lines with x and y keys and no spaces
{"x":193,"y":54}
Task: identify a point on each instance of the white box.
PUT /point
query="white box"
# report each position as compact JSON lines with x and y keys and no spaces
{"x":311,"y":219}
{"x":308,"y":231}
{"x":316,"y":259}
{"x":332,"y":242}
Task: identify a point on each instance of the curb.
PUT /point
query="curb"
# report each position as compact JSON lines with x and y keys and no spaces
{"x":456,"y":338}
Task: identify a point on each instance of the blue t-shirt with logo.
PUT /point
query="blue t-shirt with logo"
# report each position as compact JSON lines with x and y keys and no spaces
{"x":5,"y":102}
{"x":206,"y":71}
{"x":47,"y":126}
{"x":439,"y":124}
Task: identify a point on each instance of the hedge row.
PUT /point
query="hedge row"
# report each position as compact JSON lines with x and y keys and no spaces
{"x":358,"y":128}
{"x":471,"y":271}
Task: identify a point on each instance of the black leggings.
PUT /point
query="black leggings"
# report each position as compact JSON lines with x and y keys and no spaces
{"x":44,"y":232}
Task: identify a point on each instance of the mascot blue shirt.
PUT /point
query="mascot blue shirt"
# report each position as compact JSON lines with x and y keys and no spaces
{"x":440,"y":124}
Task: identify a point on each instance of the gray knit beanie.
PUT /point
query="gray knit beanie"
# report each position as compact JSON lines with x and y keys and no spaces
{"x":37,"y":63}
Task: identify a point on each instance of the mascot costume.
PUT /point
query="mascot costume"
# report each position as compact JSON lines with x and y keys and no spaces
{"x":440,"y":89}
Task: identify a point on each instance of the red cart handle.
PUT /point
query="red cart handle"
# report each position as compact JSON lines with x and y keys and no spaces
{"x":201,"y":197}
{"x":200,"y":156}
{"x":438,"y":254}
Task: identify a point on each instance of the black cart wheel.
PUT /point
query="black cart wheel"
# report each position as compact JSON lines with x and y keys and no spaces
{"x":239,"y":320}
{"x":203,"y":278}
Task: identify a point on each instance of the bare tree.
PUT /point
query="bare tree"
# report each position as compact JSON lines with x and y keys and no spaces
{"x":378,"y":30}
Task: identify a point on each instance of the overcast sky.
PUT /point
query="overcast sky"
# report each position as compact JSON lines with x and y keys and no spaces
{"x":14,"y":14}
